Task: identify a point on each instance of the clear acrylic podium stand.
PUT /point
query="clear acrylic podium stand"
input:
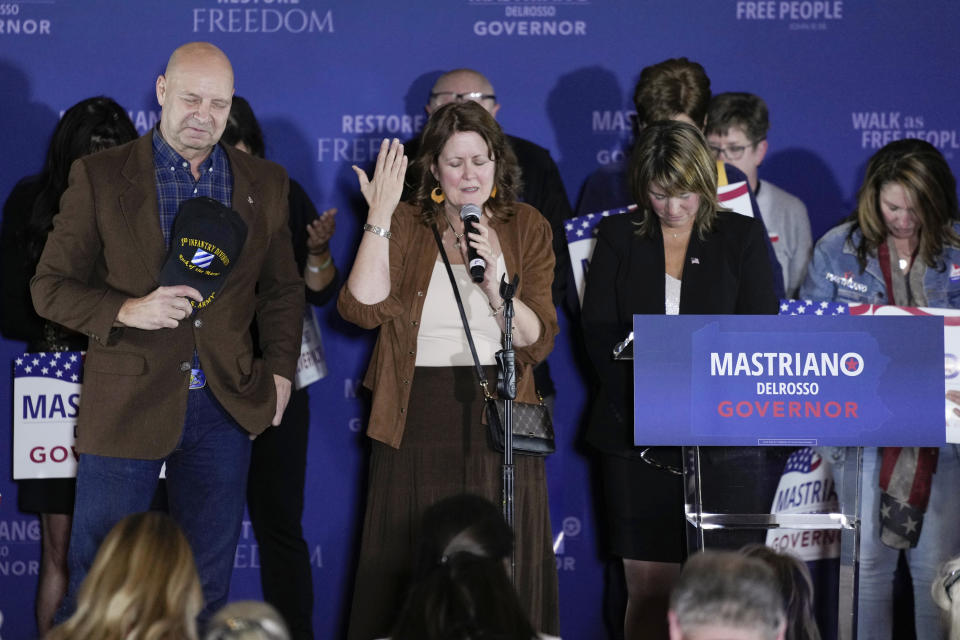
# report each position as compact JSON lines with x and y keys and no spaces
{"x":716,"y":517}
{"x":729,"y":492}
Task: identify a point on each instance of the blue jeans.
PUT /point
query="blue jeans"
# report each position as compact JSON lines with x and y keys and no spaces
{"x":206,"y":489}
{"x":939,"y":541}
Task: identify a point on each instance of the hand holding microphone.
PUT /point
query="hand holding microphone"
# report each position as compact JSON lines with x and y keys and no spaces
{"x":470,"y":214}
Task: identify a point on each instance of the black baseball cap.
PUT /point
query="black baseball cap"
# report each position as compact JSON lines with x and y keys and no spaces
{"x":206,"y":241}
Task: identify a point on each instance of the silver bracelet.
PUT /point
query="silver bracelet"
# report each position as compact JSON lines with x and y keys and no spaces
{"x":495,"y":311}
{"x":318,"y":269}
{"x":377,"y":231}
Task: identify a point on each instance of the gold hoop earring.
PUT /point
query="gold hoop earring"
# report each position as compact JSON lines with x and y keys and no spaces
{"x":437,"y":196}
{"x":493,"y":192}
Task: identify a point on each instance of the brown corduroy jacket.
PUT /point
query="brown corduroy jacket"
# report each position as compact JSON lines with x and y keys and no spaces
{"x":526,"y":240}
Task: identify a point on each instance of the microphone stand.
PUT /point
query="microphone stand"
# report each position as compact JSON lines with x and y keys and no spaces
{"x":507,"y":390}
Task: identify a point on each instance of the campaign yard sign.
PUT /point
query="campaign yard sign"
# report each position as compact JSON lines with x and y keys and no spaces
{"x":46,"y":399}
{"x":809,"y":380}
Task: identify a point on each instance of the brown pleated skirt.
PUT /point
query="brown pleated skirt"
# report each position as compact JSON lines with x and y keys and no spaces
{"x":445,"y":451}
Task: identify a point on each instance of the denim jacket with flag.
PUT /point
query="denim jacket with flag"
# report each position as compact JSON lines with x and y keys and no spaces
{"x":835,"y":275}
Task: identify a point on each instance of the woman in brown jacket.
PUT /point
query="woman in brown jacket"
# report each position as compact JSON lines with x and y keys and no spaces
{"x":425,"y":422}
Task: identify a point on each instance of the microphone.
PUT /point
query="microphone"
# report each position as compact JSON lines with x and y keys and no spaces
{"x":470,"y":214}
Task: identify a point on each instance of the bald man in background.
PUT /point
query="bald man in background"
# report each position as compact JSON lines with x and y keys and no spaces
{"x":162,"y":383}
{"x":542,"y":186}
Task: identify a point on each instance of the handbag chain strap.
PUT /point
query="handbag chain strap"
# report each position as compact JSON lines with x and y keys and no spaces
{"x":463,"y":316}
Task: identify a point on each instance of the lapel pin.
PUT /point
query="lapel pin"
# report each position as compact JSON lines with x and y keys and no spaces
{"x":250,"y":199}
{"x":694,"y":260}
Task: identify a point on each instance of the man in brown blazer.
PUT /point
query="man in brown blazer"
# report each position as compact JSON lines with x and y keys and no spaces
{"x":164,"y":382}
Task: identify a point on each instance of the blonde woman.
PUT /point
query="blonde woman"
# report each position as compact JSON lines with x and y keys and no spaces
{"x":143,"y":585}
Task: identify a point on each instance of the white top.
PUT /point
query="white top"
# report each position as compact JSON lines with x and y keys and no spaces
{"x":442,"y":341}
{"x":672,"y":297}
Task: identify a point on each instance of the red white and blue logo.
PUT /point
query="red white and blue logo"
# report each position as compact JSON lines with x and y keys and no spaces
{"x":853,"y":364}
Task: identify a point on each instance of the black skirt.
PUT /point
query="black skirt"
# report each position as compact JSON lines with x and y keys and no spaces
{"x":644,"y":504}
{"x":49,"y":495}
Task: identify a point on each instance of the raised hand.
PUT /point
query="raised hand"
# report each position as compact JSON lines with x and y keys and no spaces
{"x":320,"y":231}
{"x":383,"y":191}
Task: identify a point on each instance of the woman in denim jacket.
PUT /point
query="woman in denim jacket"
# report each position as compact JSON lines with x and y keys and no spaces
{"x":901,"y":246}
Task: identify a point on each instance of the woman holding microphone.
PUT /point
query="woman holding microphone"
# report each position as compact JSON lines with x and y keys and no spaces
{"x":425,"y":420}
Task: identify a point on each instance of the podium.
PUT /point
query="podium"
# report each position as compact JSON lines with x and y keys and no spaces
{"x":712,"y":526}
{"x":745,"y":395}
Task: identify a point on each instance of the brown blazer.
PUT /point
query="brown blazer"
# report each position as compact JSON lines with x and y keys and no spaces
{"x":107,"y":246}
{"x":526,"y":240}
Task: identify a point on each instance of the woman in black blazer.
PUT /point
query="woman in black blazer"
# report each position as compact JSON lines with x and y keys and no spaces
{"x":678,"y":252}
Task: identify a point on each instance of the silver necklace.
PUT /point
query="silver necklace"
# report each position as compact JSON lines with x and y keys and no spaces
{"x":456,"y":235}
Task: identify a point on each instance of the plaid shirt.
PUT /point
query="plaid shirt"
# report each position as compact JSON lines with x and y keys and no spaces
{"x":175,"y":182}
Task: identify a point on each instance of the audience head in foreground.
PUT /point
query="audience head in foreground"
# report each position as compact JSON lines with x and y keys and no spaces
{"x":724,"y":595}
{"x":143,"y":584}
{"x":460,"y":588}
{"x":796,"y":589}
{"x":247,"y":620}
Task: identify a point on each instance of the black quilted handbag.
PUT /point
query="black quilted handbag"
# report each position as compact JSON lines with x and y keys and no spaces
{"x":532,"y":427}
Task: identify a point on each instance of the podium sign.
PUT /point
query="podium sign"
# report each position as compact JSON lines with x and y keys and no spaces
{"x":785,"y":381}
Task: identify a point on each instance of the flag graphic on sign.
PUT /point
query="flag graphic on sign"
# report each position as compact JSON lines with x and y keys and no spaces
{"x":56,"y":365}
{"x":803,"y":461}
{"x":813,"y":308}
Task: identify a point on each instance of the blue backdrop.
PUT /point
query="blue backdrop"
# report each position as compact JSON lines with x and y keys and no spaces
{"x":329,"y":78}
